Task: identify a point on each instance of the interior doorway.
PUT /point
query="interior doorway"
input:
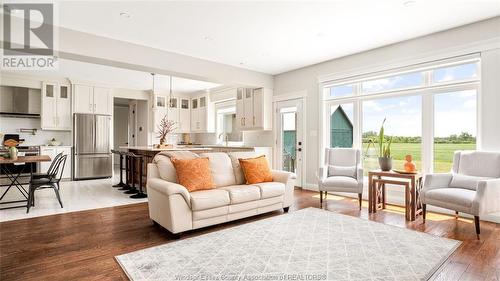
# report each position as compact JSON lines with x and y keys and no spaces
{"x":290,"y":139}
{"x":120,"y":125}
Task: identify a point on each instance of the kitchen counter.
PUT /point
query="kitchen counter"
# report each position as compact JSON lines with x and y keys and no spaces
{"x":175,"y":148}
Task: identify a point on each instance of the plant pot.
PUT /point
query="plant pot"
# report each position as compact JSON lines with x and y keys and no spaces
{"x":385,"y":163}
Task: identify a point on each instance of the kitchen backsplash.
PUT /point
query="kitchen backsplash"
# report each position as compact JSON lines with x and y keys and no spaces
{"x":9,"y":125}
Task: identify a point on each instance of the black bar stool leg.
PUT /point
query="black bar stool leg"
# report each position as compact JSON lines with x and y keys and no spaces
{"x":132,"y":189}
{"x":121,"y":183}
{"x":126,"y":186}
{"x":140,"y":194}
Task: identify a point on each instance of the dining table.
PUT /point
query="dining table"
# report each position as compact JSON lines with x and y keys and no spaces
{"x":13,"y":179}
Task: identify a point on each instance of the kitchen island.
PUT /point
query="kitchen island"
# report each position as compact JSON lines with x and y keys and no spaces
{"x":148,"y":153}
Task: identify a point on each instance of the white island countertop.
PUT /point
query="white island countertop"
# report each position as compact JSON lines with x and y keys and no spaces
{"x":175,"y":148}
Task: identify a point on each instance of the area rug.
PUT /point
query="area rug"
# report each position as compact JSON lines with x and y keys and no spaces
{"x":310,"y":244}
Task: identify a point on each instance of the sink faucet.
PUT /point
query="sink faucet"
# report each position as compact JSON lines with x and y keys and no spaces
{"x":226,"y":137}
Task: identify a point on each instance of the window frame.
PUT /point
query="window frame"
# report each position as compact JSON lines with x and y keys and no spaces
{"x":427,"y":91}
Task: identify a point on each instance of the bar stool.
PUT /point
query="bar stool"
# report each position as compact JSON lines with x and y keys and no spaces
{"x":121,"y":183}
{"x":140,"y":193}
{"x":131,"y":172}
{"x":127,"y":185}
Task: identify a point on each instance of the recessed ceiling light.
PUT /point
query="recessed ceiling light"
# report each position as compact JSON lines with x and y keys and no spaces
{"x":320,"y":34}
{"x":125,"y":15}
{"x":409,"y":3}
{"x":242,"y":63}
{"x":207,"y":38}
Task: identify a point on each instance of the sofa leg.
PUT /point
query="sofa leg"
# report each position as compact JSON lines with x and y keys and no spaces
{"x":360,"y":199}
{"x":155,"y":223}
{"x":286,"y":209}
{"x":424,"y":211}
{"x":176,"y":236}
{"x":476,"y":223}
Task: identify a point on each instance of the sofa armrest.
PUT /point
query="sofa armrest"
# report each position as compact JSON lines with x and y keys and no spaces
{"x":487,"y":197}
{"x":169,"y":188}
{"x":441,"y":180}
{"x":322,"y":173}
{"x":289,"y":180}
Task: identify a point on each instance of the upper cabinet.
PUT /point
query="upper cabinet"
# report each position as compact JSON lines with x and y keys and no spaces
{"x":202,"y":114}
{"x":56,"y":106}
{"x":92,"y":100}
{"x":254,"y":109}
{"x":178,"y":110}
{"x":184,"y":115}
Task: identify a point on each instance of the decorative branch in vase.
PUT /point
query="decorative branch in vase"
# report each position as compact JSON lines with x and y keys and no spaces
{"x":164,"y":128}
{"x":384,"y":149}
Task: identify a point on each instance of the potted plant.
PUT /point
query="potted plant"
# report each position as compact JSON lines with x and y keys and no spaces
{"x":164,"y":128}
{"x":384,"y":149}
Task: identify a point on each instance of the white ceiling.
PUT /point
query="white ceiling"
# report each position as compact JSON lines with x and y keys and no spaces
{"x":274,"y":36}
{"x":119,"y":77}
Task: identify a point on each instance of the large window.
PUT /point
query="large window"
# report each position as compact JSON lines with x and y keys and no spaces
{"x":430,"y":112}
{"x":454,"y":126}
{"x":403,"y":125}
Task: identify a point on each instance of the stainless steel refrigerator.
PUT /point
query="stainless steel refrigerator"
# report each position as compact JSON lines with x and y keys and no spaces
{"x":92,"y":152}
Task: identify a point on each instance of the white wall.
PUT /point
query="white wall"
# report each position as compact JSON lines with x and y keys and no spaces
{"x":481,"y":37}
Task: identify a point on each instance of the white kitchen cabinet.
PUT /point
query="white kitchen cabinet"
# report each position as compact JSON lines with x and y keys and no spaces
{"x":52,"y":151}
{"x":202,"y":115}
{"x":184,"y":116}
{"x":173,"y":111}
{"x":254,"y":109}
{"x":56,"y":107}
{"x":92,"y":100}
{"x":103,"y":101}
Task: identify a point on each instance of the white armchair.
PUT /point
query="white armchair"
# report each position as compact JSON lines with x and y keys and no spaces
{"x":341,"y":172}
{"x":472,"y":187}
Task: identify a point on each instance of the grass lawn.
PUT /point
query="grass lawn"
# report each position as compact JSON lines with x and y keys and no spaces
{"x":443,"y":155}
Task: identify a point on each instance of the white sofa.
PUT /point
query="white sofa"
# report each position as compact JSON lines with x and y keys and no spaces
{"x":177,"y":210}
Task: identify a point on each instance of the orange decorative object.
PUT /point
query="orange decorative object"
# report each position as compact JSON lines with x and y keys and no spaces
{"x":10,"y":143}
{"x":194,"y":174}
{"x":409,"y":165}
{"x":256,"y":170}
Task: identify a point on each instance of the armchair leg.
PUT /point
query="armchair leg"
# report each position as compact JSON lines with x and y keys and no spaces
{"x":456,"y":214}
{"x":424,"y":211}
{"x":320,"y":198}
{"x":360,"y":198}
{"x":476,"y":223}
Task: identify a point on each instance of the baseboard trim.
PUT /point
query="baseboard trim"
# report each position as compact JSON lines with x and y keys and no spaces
{"x":395,"y":196}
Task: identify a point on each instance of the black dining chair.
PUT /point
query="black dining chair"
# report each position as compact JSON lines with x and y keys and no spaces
{"x":51,"y":167}
{"x":51,"y":181}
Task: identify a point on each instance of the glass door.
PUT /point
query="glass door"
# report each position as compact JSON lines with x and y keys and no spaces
{"x":290,"y":143}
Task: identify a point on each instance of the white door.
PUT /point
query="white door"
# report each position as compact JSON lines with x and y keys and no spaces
{"x":132,"y":122}
{"x":290,"y":139}
{"x":48,"y":115}
{"x":102,"y":101}
{"x":83,"y":99}
{"x":64,"y":108}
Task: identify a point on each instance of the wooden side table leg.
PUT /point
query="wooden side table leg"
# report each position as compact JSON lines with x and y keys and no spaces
{"x":370,"y":194}
{"x":383,"y":195}
{"x":413,"y":203}
{"x":407,"y":201}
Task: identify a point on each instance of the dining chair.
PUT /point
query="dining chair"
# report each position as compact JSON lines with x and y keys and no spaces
{"x":51,"y":181}
{"x":49,"y":170}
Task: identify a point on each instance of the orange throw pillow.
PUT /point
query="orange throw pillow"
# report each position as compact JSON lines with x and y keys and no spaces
{"x":194,"y":174}
{"x":256,"y":169}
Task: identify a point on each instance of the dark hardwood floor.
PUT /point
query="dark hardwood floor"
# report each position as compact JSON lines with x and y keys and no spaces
{"x":82,"y":245}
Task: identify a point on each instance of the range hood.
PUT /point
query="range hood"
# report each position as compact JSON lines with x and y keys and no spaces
{"x":20,"y":102}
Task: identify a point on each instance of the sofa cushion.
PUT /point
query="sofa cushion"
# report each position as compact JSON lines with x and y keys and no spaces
{"x":221,"y":168}
{"x":242,"y":193}
{"x":271,"y":189}
{"x":165,"y":167}
{"x":346,"y":171}
{"x":450,"y":197}
{"x":479,"y":164}
{"x":340,"y":182}
{"x":256,"y":170}
{"x":238,"y":172}
{"x":468,"y":182}
{"x":194,"y":174}
{"x":207,"y":199}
